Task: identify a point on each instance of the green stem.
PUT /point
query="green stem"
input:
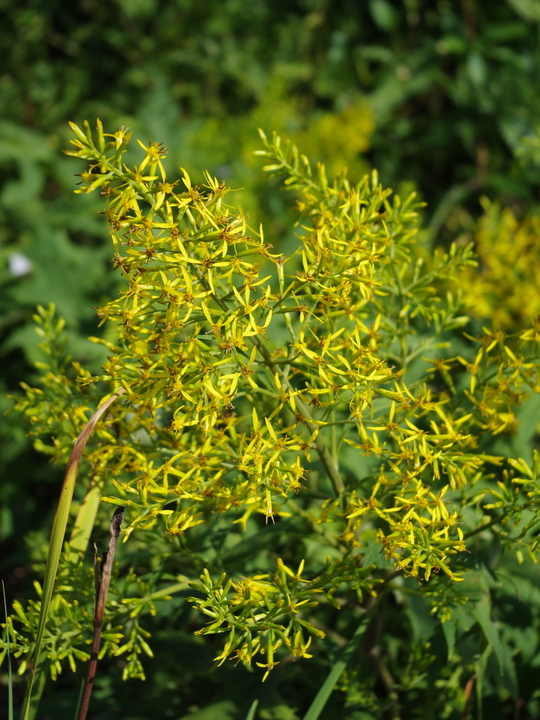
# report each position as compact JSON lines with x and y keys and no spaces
{"x":333,"y":441}
{"x":401,"y":300}
{"x":39,"y":680}
{"x":497,"y":519}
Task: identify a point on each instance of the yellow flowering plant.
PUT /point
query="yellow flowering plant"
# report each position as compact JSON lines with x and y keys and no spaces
{"x":334,"y":391}
{"x":505,"y":242}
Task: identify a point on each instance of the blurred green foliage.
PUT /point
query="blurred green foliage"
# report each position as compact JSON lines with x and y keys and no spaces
{"x":440,"y":95}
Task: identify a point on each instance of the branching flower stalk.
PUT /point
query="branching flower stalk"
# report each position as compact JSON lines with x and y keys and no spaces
{"x":248,"y":374}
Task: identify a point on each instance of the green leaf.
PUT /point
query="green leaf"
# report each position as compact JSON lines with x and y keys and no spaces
{"x":225,"y":710}
{"x":480,"y":667}
{"x":374,"y":555}
{"x":252,"y":710}
{"x":482,"y":613}
{"x":449,"y":632}
{"x":423,"y":624}
{"x":383,"y":14}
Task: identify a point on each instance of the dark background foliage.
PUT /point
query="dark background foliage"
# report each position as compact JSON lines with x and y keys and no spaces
{"x":436,"y":94}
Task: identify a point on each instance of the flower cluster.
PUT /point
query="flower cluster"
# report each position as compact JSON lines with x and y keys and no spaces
{"x":248,"y":374}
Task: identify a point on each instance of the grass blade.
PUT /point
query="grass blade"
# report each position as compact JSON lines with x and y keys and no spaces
{"x":10,"y":677}
{"x":57,"y":540}
{"x":79,"y":700}
{"x":252,"y":710}
{"x":327,"y":687}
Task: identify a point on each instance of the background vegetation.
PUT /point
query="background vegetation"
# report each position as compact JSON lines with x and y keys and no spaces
{"x":441,"y":97}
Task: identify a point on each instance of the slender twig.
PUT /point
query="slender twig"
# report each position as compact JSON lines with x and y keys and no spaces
{"x":102,"y":590}
{"x":486,"y":526}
